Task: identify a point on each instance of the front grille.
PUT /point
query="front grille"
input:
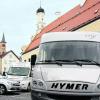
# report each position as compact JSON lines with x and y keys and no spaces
{"x":15,"y":89}
{"x":16,"y":84}
{"x":60,"y":97}
{"x":63,"y":97}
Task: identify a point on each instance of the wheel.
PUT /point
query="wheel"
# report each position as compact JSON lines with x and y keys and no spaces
{"x":29,"y":88}
{"x":2,"y":89}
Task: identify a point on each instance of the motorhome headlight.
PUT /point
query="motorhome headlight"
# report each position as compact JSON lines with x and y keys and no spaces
{"x":34,"y":83}
{"x":98,"y":86}
{"x":38,"y":84}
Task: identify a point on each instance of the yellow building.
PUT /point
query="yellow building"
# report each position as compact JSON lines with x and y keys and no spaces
{"x":94,"y":26}
{"x":27,"y":56}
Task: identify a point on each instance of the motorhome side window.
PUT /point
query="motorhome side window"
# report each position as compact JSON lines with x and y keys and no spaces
{"x":69,"y":50}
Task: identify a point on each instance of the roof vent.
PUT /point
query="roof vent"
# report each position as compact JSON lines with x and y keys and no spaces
{"x":64,"y":28}
{"x":96,"y":11}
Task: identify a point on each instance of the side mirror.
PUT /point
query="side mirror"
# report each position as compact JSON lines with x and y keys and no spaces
{"x":33,"y":60}
{"x":4,"y":74}
{"x":30,"y":75}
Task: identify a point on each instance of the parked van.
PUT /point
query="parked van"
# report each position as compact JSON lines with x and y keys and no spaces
{"x":68,"y":64}
{"x":21,"y":72}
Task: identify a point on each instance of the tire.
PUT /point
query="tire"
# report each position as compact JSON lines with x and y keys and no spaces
{"x":2,"y":89}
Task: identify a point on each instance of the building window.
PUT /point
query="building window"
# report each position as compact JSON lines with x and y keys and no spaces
{"x":3,"y":52}
{"x":10,"y":56}
{"x":3,"y":45}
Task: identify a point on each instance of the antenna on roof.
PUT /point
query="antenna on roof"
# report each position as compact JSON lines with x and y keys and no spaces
{"x":57,"y":13}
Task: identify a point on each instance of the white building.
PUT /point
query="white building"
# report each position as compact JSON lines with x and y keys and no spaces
{"x":6,"y":57}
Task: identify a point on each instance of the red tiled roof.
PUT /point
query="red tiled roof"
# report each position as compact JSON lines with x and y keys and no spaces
{"x":72,"y":20}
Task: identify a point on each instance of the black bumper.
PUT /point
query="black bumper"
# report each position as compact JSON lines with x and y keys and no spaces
{"x":45,"y":96}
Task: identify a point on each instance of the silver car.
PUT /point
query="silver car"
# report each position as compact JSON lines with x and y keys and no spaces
{"x":7,"y":85}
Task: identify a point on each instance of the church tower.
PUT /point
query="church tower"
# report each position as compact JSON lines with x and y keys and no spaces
{"x":2,"y":45}
{"x":40,"y":19}
{"x":40,"y":13}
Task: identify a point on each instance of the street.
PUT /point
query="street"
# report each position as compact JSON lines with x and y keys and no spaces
{"x":27,"y":96}
{"x":16,"y":96}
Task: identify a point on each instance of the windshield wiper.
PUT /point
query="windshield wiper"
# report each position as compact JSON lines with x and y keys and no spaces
{"x":71,"y":61}
{"x":52,"y":61}
{"x":11,"y":74}
{"x":59,"y":62}
{"x":89,"y":61}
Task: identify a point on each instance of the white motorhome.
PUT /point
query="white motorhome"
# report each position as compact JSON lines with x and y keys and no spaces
{"x":20,"y":71}
{"x":68,"y":64}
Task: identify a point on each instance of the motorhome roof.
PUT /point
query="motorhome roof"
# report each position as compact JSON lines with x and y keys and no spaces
{"x":63,"y":36}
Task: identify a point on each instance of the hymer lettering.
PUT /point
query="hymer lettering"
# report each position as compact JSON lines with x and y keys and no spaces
{"x":69,"y":86}
{"x":54,"y":85}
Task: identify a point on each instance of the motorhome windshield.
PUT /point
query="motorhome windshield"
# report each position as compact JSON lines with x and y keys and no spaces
{"x":18,"y":71}
{"x":69,"y":50}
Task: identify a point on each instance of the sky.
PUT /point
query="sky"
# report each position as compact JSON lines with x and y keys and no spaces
{"x":18,"y":19}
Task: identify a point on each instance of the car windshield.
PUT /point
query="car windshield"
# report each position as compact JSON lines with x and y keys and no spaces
{"x":18,"y":71}
{"x":69,"y":51}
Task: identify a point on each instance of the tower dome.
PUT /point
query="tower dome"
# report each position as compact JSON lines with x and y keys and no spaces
{"x":40,"y":10}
